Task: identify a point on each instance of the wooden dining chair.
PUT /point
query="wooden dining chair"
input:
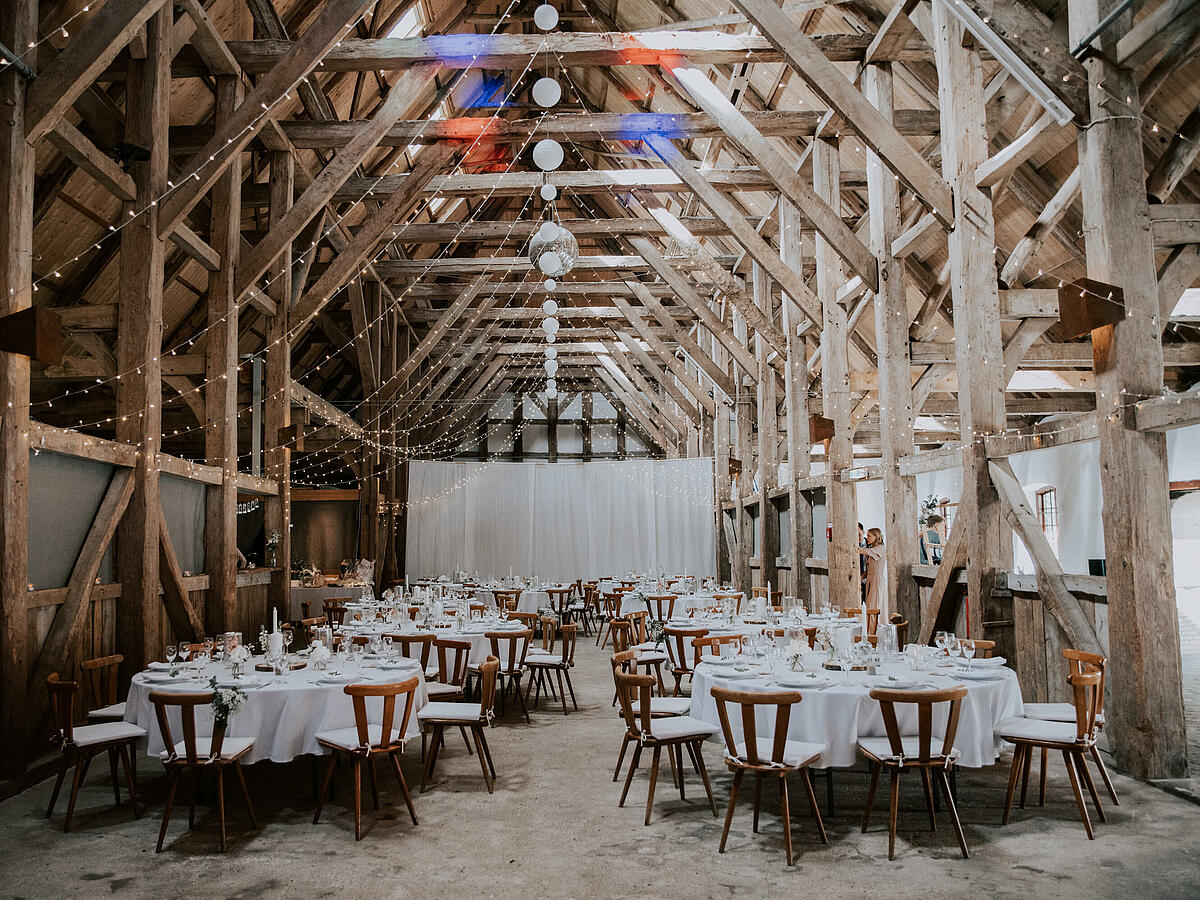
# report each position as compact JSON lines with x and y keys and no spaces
{"x":901,"y":629}
{"x":415,"y":646}
{"x":335,"y":610}
{"x":715,"y":645}
{"x":540,"y":667}
{"x":196,"y":755}
{"x":1077,"y":661}
{"x":305,"y":609}
{"x":810,"y":634}
{"x":772,"y":757}
{"x":1073,"y":739}
{"x":898,"y":753}
{"x":775,"y":598}
{"x":560,"y":602}
{"x":311,"y":623}
{"x":453,"y":656}
{"x":660,"y":707}
{"x":680,"y":652}
{"x":438,"y":715}
{"x":99,"y":679}
{"x":674,"y":733}
{"x":356,"y":743}
{"x":611,"y":609}
{"x":504,"y":596}
{"x":78,"y":744}
{"x":661,"y":607}
{"x":985,"y":649}
{"x":736,"y":598}
{"x":510,"y":648}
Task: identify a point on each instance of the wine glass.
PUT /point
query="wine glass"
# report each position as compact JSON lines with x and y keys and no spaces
{"x":171,"y":652}
{"x":966,"y":647}
{"x":184,"y":651}
{"x":209,"y":643}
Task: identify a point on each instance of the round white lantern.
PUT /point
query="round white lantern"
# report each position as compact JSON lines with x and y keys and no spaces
{"x":551,"y":353}
{"x":551,"y":384}
{"x":550,"y":325}
{"x":551,"y":367}
{"x":545,"y":17}
{"x":550,"y":263}
{"x":548,"y":154}
{"x":549,"y":339}
{"x":549,"y":284}
{"x":547,"y":92}
{"x":548,"y":192}
{"x":552,"y":393}
{"x":549,"y":307}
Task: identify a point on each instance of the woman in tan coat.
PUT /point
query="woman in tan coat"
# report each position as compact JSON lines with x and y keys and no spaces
{"x":876,"y":568}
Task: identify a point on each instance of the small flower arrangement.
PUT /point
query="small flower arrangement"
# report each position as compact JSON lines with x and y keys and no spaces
{"x":238,"y":657}
{"x":656,"y":632}
{"x":795,"y":655}
{"x":929,"y":507}
{"x":226,"y":701}
{"x":318,"y":655}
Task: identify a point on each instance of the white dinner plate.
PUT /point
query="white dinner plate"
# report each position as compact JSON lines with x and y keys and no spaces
{"x":792,"y":681}
{"x":739,"y":675}
{"x":719,"y":661}
{"x":989,"y":662}
{"x":166,"y":678}
{"x":900,"y":684}
{"x":977,"y":676}
{"x":241,"y":684}
{"x":335,"y":679}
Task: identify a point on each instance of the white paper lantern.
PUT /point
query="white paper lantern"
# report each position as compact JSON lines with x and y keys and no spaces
{"x":549,"y":284}
{"x":549,"y":339}
{"x":549,"y":307}
{"x":547,"y":92}
{"x":548,"y":192}
{"x":550,"y":263}
{"x":552,"y":393}
{"x":551,"y":353}
{"x":545,"y":17}
{"x":548,"y":154}
{"x":551,"y":367}
{"x":551,"y":384}
{"x":550,"y":326}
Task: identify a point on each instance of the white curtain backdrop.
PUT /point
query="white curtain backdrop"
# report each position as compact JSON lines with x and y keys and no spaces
{"x":561,"y":520}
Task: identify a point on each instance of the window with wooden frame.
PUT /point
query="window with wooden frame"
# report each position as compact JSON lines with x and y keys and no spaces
{"x":1047,"y":514}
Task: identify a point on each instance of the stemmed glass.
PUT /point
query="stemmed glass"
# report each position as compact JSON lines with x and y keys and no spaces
{"x":171,"y":652}
{"x":209,"y":644}
{"x":966,"y":647}
{"x":184,"y":651}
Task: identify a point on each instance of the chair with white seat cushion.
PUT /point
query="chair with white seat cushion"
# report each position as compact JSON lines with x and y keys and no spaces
{"x":674,"y":733}
{"x":99,"y":677}
{"x":934,"y":758}
{"x":1077,"y":661}
{"x":1073,"y":739}
{"x":439,"y":715}
{"x":80,"y":744}
{"x":772,"y":757}
{"x":660,"y":707}
{"x":680,"y":652}
{"x":197,"y":754}
{"x":357,"y":743}
{"x":511,"y":649}
{"x":540,"y":668}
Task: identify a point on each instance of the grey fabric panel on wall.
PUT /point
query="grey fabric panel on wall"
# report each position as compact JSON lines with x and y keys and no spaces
{"x":325,"y":532}
{"x":64,"y":494}
{"x":183,"y":509}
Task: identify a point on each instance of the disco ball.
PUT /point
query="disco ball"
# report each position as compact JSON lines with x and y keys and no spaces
{"x":553,"y":250}
{"x":549,"y":284}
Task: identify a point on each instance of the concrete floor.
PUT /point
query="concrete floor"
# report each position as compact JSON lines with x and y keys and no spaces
{"x":553,"y":828}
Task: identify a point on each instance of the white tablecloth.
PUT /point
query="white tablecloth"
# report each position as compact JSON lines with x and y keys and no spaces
{"x":283,"y":717}
{"x":480,"y":645}
{"x":684,"y":603}
{"x":840,"y":714}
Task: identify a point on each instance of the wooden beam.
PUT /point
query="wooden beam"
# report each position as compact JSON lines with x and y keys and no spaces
{"x":1002,"y":164}
{"x":1041,"y":229}
{"x":67,"y":626}
{"x":1145,"y":711}
{"x":824,"y":216}
{"x":1168,"y":412}
{"x":669,"y":384}
{"x":208,"y":41}
{"x":828,"y":83}
{"x":195,"y":247}
{"x":139,"y":349}
{"x":668,"y":358}
{"x":400,"y":98}
{"x":260,"y":105}
{"x":74,"y":145}
{"x":350,"y":261}
{"x":77,"y":65}
{"x":323,"y":409}
{"x":185,"y":622}
{"x":1175,"y":224}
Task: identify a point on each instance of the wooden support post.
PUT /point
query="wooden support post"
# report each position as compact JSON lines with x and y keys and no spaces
{"x":768,"y":438}
{"x":742,"y":440}
{"x":1145,"y":715}
{"x":841,"y":497}
{"x":220,"y":392}
{"x":552,"y":429}
{"x":140,"y":325}
{"x":277,"y":408}
{"x":795,"y":381}
{"x":895,"y":379}
{"x":586,"y":427}
{"x":977,"y":336}
{"x":18,"y":27}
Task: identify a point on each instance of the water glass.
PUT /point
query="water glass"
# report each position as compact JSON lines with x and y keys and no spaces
{"x":170,"y":652}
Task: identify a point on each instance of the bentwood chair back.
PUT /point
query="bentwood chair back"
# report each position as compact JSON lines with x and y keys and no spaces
{"x":453,"y":657}
{"x":510,"y":649}
{"x":661,"y":606}
{"x":503,"y":596}
{"x":775,"y":756}
{"x":775,"y":597}
{"x":622,"y":634}
{"x":934,"y":756}
{"x":415,"y":646}
{"x":335,"y":610}
{"x":549,"y":632}
{"x":610,"y":609}
{"x":99,"y":677}
{"x":736,"y":598}
{"x":80,"y":744}
{"x":561,"y":665}
{"x":359,"y":744}
{"x":637,"y":625}
{"x":716,"y":645}
{"x":901,"y":629}
{"x":196,"y":754}
{"x":678,"y":641}
{"x":528,"y":619}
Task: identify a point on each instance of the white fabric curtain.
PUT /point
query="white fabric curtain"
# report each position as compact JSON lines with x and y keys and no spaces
{"x":562,"y":520}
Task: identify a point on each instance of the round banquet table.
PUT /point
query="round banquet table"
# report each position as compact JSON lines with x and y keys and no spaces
{"x":684,"y":603}
{"x":481,"y":646}
{"x":841,"y":713}
{"x":282,"y":716}
{"x":316,"y":596}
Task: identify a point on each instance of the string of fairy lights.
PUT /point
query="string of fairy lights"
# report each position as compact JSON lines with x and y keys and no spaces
{"x":446,"y":413}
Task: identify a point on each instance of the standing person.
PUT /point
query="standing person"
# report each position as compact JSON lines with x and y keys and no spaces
{"x":933,"y":540}
{"x":872,"y":555}
{"x":862,"y":563}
